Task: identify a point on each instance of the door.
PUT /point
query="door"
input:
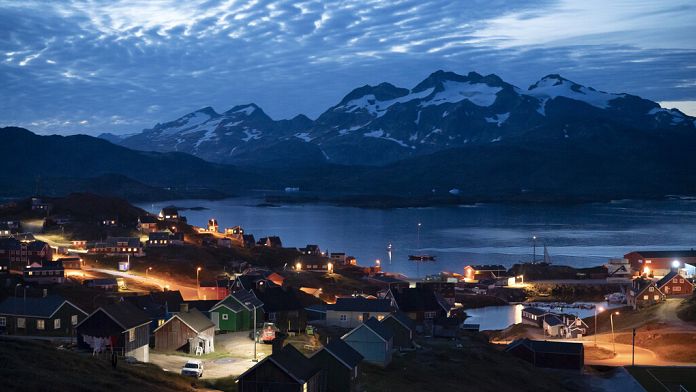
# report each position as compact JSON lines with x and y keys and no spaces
{"x":216,"y":320}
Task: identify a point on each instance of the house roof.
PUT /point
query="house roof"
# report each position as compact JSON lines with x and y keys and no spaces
{"x":544,"y":346}
{"x":147,"y":219}
{"x":240,"y":300}
{"x":44,"y":266}
{"x":489,"y":267}
{"x":376,"y":327}
{"x":157,"y":303}
{"x":360,"y":304}
{"x":536,"y":311}
{"x":665,"y":253}
{"x":158,"y":235}
{"x":416,"y":300}
{"x":194,"y":319}
{"x":640,"y":285}
{"x":43,"y":307}
{"x":403,"y":319}
{"x":552,"y":320}
{"x":277,"y":299}
{"x":342,"y":351}
{"x":665,"y":279}
{"x":294,"y":363}
{"x":124,"y":314}
{"x":204,"y":305}
{"x":131,"y":241}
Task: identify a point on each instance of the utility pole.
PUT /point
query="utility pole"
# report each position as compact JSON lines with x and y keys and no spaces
{"x":633,"y":354}
{"x":255,"y":337}
{"x":534,"y":249}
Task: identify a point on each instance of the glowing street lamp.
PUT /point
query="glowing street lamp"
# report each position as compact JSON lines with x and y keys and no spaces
{"x":298,"y":266}
{"x":676,"y":264}
{"x":147,"y":270}
{"x":596,"y":309}
{"x":329,"y":267}
{"x":611,"y":318}
{"x":378,"y":262}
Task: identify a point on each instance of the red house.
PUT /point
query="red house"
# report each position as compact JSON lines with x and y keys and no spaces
{"x":674,"y":284}
{"x":659,"y":263}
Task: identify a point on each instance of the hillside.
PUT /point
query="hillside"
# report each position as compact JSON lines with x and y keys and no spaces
{"x":27,"y":365}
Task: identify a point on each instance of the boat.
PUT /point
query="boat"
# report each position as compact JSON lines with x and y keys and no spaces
{"x":615,"y":298}
{"x":421,"y":258}
{"x":389,"y":247}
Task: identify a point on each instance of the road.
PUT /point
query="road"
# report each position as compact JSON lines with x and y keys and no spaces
{"x":188,"y":292}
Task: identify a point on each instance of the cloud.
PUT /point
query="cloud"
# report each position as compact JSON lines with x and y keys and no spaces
{"x":125,"y":65}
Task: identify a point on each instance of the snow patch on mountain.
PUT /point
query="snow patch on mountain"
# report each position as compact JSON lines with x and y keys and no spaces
{"x":251,"y":134}
{"x":304,"y":136}
{"x":480,"y":94}
{"x":554,"y":86}
{"x":498,"y":118}
{"x":379,"y":108}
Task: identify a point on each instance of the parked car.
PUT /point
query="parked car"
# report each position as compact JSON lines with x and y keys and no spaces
{"x":194,"y":368}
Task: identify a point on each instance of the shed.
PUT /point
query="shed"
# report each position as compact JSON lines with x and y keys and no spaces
{"x":549,"y":354}
{"x":402,"y":328}
{"x":339,"y":363}
{"x":236,"y":312}
{"x":286,"y":370}
{"x":373,"y":341}
{"x":188,"y":331}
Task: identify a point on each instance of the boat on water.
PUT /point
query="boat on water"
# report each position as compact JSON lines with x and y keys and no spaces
{"x":389,"y":247}
{"x":421,"y":258}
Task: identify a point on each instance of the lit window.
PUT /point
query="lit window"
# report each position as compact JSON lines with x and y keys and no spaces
{"x":160,"y":322}
{"x":656,"y":297}
{"x":40,"y":324}
{"x":645,"y":297}
{"x":225,"y":316}
{"x":651,"y":289}
{"x":56,"y":323}
{"x":681,"y":280}
{"x":676,"y":280}
{"x":73,"y":319}
{"x":380,"y":317}
{"x":3,"y":322}
{"x":648,"y":261}
{"x":677,"y":288}
{"x":131,"y":335}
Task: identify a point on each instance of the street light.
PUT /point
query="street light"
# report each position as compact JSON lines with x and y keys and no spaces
{"x":329,"y":267}
{"x":147,"y":270}
{"x":198,"y":284}
{"x":255,"y":337}
{"x":534,"y":249}
{"x":601,"y":309}
{"x":378,"y":262}
{"x":611,"y":318}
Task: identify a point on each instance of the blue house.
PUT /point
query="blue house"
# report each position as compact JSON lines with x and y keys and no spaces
{"x":373,"y":341}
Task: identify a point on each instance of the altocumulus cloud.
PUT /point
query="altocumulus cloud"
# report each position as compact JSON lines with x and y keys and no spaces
{"x":119,"y":66}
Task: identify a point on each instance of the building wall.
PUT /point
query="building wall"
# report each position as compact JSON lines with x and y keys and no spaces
{"x":173,"y":335}
{"x":677,"y":286}
{"x":64,"y":314}
{"x":335,"y":375}
{"x":402,"y":336}
{"x":370,"y":346}
{"x":266,"y":376}
{"x":353,"y":319}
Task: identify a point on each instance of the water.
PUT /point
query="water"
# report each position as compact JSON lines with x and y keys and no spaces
{"x":501,"y":317}
{"x":580,"y":235}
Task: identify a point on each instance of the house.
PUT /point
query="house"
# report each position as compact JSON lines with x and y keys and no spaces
{"x":338,"y":258}
{"x":107,"y":284}
{"x":225,"y":242}
{"x":373,"y":341}
{"x":286,"y":370}
{"x":37,"y":204}
{"x":340,"y":366}
{"x":534,"y":316}
{"x":553,"y":326}
{"x":147,"y":224}
{"x":236,"y":312}
{"x":271,"y":242}
{"x":402,"y":329}
{"x":419,"y":304}
{"x":117,"y":246}
{"x":70,"y":262}
{"x":311,"y":250}
{"x":282,"y":307}
{"x":79,"y":244}
{"x":158,"y":239}
{"x":214,"y":289}
{"x":351,"y":312}
{"x":314,"y":264}
{"x":121,"y":326}
{"x":444,"y":289}
{"x":276,"y":278}
{"x":250,"y":281}
{"x":236,"y":231}
{"x":187,"y":330}
{"x":51,"y":315}
{"x":249,"y":240}
{"x":474,"y":273}
{"x":549,"y":354}
{"x":159,"y":305}
{"x":169,"y":214}
{"x":674,"y":284}
{"x":213,"y":225}
{"x":643,"y":292}
{"x":388,"y":281}
{"x":659,"y":263}
{"x":9,"y":227}
{"x":46,"y":272}
{"x":618,"y":270}
{"x":22,"y":253}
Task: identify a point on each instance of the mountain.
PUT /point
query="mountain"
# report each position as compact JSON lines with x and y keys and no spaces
{"x":383,"y":124}
{"x":63,"y":164}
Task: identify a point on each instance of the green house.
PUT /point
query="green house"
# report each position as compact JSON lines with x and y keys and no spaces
{"x":236,"y":312}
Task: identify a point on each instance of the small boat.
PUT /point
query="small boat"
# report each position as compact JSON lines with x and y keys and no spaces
{"x":421,"y":257}
{"x":615,"y":298}
{"x":389,"y":247}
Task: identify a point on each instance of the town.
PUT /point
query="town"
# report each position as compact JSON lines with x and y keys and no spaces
{"x":216,"y":308}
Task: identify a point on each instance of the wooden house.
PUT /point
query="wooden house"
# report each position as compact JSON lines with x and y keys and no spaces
{"x":549,"y":354}
{"x":23,"y":251}
{"x":402,"y":328}
{"x":147,"y":224}
{"x":187,"y":330}
{"x":658,"y":263}
{"x":351,"y":312}
{"x":271,"y":242}
{"x":169,"y":214}
{"x":236,"y":312}
{"x":45,"y":272}
{"x":419,"y":304}
{"x":216,"y":289}
{"x":674,"y":284}
{"x":51,"y":315}
{"x":373,"y":341}
{"x":644,"y":292}
{"x":474,"y":273}
{"x":534,"y":316}
{"x":340,"y":366}
{"x":282,"y":306}
{"x":287,"y":370}
{"x":159,"y":305}
{"x":121,"y":326}
{"x":73,"y":262}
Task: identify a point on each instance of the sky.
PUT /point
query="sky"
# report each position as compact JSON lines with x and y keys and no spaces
{"x":91,"y":66}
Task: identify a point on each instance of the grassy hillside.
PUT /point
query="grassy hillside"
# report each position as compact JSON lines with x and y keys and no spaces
{"x":36,"y":366}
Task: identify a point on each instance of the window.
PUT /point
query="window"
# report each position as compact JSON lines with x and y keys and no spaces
{"x":343,"y":317}
{"x":56,"y":323}
{"x":645,"y":297}
{"x":656,"y":297}
{"x":429,"y":315}
{"x":380,"y":317}
{"x":73,"y":319}
{"x":131,"y":335}
{"x":677,"y":288}
{"x":648,"y":261}
{"x":225,"y":316}
{"x":40,"y":324}
{"x":3,"y":322}
{"x":676,"y":280}
{"x":681,"y":280}
{"x":651,"y":289}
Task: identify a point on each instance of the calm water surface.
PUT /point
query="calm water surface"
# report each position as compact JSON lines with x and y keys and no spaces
{"x":582,"y":235}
